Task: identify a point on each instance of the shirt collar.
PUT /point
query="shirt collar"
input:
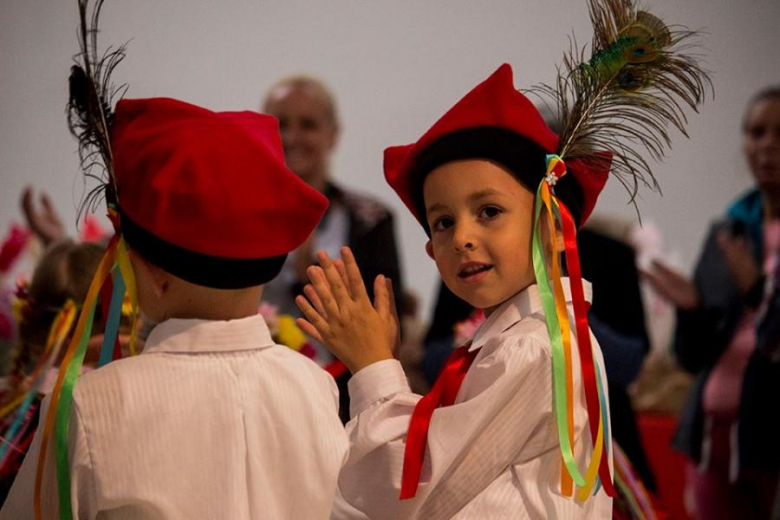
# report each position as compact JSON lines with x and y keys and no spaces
{"x":525,"y":303}
{"x":186,"y":336}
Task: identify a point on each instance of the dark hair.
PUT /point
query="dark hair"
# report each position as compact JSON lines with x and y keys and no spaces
{"x":523,"y":158}
{"x":771,"y":92}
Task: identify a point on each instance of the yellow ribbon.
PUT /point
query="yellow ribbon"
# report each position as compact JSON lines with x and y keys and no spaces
{"x":126,"y":269}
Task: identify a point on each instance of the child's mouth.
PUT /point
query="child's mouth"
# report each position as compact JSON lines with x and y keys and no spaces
{"x":474,"y":271}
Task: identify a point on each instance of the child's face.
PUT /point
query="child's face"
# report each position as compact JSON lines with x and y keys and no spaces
{"x":481,"y":221}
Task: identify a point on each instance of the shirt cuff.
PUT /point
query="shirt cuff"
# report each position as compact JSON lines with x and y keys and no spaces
{"x":376,"y":381}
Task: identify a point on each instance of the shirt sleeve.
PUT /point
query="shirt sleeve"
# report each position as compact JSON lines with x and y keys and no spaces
{"x":470,"y":443}
{"x":20,"y":502}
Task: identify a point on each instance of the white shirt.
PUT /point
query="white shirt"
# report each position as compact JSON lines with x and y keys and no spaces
{"x":493,"y":454}
{"x":212,"y":421}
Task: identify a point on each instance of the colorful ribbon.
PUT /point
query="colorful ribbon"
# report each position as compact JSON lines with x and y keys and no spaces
{"x":126,"y":269}
{"x":559,"y":330}
{"x":57,"y":335}
{"x":116,"y":260}
{"x":560,"y":390}
{"x":112,"y":309}
{"x":590,"y":381}
{"x":631,"y":488}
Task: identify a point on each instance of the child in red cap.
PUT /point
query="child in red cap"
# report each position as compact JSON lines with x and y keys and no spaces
{"x":492,"y":448}
{"x":212,"y":419}
{"x":517,"y":423}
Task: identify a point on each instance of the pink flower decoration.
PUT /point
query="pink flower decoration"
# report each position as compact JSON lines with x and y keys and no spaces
{"x":465,"y":330}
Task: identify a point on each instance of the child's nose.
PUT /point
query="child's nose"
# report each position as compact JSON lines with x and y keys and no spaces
{"x":463,"y":238}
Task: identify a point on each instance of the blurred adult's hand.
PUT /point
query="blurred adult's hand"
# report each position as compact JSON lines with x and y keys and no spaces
{"x":742,"y":266}
{"x":673,"y":286}
{"x":43,"y":221}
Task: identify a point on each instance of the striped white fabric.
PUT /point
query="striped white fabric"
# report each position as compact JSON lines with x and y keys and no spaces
{"x":493,"y":454}
{"x":211,"y":421}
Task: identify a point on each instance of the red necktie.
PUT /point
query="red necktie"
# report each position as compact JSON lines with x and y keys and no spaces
{"x":443,"y":393}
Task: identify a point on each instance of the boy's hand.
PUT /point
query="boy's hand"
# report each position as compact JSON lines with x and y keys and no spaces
{"x":339,"y":313}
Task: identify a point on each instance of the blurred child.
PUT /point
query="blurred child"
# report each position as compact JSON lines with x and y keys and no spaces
{"x":60,"y":279}
{"x":500,"y":195}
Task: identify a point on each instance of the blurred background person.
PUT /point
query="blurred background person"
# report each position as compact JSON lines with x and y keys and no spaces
{"x":20,"y":251}
{"x":61,"y":278}
{"x":730,"y":426}
{"x":309,"y":125}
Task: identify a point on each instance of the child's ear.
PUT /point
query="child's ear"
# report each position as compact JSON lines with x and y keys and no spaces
{"x":560,"y":244}
{"x":429,"y":250}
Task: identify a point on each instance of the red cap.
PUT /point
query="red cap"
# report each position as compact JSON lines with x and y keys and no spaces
{"x":208,"y":185}
{"x":493,"y":103}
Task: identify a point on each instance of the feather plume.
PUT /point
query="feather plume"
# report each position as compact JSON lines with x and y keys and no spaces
{"x":639,"y":76}
{"x":91,"y":95}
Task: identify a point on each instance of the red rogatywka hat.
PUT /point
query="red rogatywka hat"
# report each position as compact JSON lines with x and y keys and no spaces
{"x":206,"y":195}
{"x":501,"y":110}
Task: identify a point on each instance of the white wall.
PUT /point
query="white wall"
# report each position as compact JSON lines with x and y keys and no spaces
{"x":395,"y":65}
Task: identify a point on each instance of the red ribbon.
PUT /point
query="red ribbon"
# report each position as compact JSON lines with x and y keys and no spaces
{"x":443,"y":393}
{"x":583,"y":340}
{"x":336,"y":369}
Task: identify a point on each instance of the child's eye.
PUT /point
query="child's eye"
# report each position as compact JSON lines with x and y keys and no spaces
{"x":442,"y":223}
{"x":489,"y":212}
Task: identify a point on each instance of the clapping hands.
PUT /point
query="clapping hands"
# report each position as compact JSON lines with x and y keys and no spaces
{"x":682,"y":293}
{"x":741,"y":263}
{"x":673,"y":286}
{"x":339,"y":313}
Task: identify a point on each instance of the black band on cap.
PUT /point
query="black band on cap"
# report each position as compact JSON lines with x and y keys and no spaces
{"x":525,"y":159}
{"x":209,"y":271}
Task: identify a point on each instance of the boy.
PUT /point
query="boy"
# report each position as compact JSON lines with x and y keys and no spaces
{"x":491,"y":451}
{"x":212,"y":420}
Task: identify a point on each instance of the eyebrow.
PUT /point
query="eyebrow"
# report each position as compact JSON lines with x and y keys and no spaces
{"x":488,"y":192}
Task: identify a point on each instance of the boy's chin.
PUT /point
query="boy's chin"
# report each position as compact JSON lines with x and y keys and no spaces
{"x":487,"y":302}
{"x":480,"y":301}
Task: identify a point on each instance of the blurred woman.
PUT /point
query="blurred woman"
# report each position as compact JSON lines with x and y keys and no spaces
{"x":729,"y":428}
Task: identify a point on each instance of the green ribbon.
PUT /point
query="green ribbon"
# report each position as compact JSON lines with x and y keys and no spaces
{"x":62,"y":419}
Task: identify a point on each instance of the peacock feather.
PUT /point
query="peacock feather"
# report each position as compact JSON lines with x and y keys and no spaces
{"x":623,"y":97}
{"x":91,"y":95}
